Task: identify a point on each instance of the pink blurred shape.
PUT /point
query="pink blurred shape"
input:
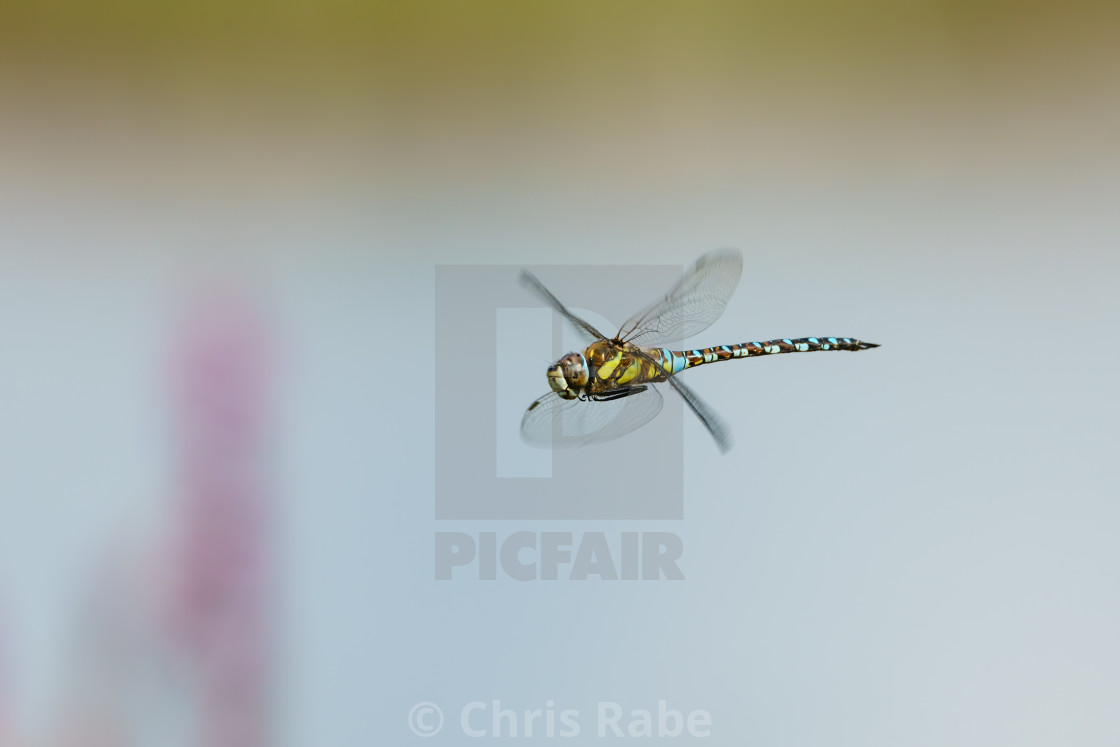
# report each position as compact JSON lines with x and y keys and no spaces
{"x":223,"y":583}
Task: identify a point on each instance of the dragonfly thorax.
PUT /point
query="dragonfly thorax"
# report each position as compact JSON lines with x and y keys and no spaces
{"x":568,"y":376}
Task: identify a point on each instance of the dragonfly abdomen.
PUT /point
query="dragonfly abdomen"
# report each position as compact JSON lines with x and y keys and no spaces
{"x":691,"y":358}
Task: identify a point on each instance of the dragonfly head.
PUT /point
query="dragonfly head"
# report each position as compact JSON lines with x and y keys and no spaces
{"x":568,"y":376}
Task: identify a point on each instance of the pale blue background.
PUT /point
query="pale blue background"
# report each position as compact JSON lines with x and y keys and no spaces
{"x":915,"y":544}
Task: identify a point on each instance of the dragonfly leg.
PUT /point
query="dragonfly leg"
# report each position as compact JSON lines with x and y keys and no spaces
{"x":618,"y":393}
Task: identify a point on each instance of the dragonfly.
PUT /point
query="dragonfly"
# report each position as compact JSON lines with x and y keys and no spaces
{"x":607,"y":390}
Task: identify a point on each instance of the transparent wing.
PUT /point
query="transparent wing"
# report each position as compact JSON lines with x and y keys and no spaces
{"x":529,"y":280}
{"x":564,"y":423}
{"x":715,"y":425}
{"x":691,"y":305}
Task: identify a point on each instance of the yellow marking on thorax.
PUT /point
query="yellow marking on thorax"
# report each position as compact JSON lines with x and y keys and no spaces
{"x":608,"y":367}
{"x":632,"y":370}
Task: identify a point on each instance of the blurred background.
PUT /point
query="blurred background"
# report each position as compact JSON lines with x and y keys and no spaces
{"x":219,"y":224}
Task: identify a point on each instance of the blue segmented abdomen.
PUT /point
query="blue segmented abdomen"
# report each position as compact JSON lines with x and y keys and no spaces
{"x":699,"y":357}
{"x":670,"y":361}
{"x":674,"y":362}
